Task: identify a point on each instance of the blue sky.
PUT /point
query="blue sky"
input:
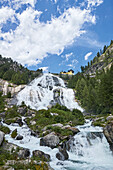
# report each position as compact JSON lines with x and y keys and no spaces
{"x":54,"y":35}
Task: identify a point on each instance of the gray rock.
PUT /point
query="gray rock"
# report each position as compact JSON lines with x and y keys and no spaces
{"x":62,"y":154}
{"x":109,"y":118}
{"x":24,"y":153}
{"x":50,"y":140}
{"x":108,"y":132}
{"x":19,"y":137}
{"x":22,"y":110}
{"x":41,"y":155}
{"x":32,"y":122}
{"x":57,"y":125}
{"x":1,"y":137}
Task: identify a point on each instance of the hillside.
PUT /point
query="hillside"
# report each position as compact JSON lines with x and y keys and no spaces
{"x":12,"y":71}
{"x":94,"y":85}
{"x":103,"y":60}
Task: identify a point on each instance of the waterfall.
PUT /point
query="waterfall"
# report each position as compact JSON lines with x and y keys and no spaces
{"x":45,"y":91}
{"x":88,"y":151}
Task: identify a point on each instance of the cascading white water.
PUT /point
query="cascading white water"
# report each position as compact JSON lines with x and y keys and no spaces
{"x":45,"y":90}
{"x":90,"y":150}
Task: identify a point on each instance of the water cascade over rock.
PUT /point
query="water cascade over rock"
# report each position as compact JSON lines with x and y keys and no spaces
{"x":46,"y":91}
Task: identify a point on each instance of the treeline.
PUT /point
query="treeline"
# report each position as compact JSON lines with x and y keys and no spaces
{"x":96,"y":94}
{"x":96,"y":58}
{"x":16,"y":73}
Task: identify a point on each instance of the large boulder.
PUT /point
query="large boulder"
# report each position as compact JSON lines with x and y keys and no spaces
{"x":62,"y":154}
{"x":41,"y":155}
{"x":24,"y":153}
{"x":1,"y":137}
{"x":108,"y":132}
{"x":51,"y":140}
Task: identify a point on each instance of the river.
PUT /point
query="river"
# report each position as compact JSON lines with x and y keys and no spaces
{"x":90,"y":150}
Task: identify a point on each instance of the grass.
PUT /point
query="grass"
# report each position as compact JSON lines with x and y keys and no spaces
{"x":65,"y":116}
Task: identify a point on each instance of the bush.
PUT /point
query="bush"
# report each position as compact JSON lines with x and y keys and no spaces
{"x":14,"y":133}
{"x":4,"y":129}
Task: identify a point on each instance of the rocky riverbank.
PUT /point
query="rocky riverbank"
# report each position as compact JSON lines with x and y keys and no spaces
{"x":54,"y":128}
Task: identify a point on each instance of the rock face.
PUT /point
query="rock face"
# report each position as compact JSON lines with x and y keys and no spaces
{"x":108,"y":132}
{"x":6,"y":87}
{"x":41,"y":155}
{"x":62,"y":154}
{"x":50,"y":140}
{"x":1,"y":137}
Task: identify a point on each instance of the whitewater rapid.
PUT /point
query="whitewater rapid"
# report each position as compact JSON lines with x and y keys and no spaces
{"x":89,"y":151}
{"x":45,"y":91}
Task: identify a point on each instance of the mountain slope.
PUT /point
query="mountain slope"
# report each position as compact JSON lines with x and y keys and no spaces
{"x":12,"y":71}
{"x":101,"y":62}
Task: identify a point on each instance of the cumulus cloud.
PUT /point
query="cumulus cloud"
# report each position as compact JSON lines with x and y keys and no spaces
{"x":33,"y":40}
{"x":45,"y":69}
{"x":5,"y":14}
{"x":87,"y":55}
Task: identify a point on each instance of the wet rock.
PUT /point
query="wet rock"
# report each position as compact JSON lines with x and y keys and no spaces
{"x":19,"y":121}
{"x":1,"y":137}
{"x":33,"y":133}
{"x":24,"y":153}
{"x":94,"y":135}
{"x":68,"y":144}
{"x":108,"y":132}
{"x":51,"y":140}
{"x":41,"y":155}
{"x":62,"y":154}
{"x":19,"y":137}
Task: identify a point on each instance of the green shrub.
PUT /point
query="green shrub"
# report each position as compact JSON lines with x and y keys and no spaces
{"x":4,"y":129}
{"x":14,"y":133}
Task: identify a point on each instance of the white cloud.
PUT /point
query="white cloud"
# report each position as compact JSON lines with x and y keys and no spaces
{"x":45,"y":69}
{"x":92,"y":3}
{"x":32,"y":40}
{"x":73,"y":63}
{"x":5,"y":14}
{"x":87,"y":55}
{"x":18,"y":3}
{"x":68,"y":56}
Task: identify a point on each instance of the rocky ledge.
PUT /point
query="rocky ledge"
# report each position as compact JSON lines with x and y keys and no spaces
{"x":108,"y":132}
